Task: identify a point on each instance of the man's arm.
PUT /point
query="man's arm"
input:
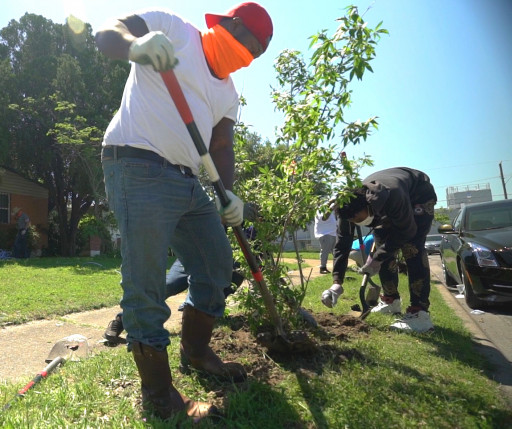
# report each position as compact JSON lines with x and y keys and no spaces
{"x":222,"y":153}
{"x":223,"y":156}
{"x":115,"y":39}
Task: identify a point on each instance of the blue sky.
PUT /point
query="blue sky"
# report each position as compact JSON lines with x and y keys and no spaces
{"x":441,"y":87}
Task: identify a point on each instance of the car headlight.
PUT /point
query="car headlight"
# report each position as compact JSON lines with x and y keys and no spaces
{"x":484,"y":256}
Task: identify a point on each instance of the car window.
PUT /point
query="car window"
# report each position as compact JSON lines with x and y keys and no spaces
{"x":456,"y":222}
{"x":434,"y":237}
{"x":490,"y":217}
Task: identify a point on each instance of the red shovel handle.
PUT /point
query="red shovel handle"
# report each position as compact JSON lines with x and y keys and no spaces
{"x":176,"y":93}
{"x":177,"y":96}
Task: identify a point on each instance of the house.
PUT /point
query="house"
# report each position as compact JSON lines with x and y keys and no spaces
{"x":32,"y":198}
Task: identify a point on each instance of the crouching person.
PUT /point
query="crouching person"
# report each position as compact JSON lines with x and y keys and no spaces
{"x":398,"y":203}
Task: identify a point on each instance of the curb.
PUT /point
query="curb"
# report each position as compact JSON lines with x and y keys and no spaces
{"x":501,"y":371}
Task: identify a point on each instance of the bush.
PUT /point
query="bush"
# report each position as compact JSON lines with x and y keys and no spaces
{"x":90,"y":226}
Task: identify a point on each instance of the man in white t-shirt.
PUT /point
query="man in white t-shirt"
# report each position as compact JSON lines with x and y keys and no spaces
{"x":150,"y":166}
{"x":325,"y":231}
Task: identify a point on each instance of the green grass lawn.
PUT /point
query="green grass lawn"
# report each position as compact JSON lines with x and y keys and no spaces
{"x":45,"y":287}
{"x":399,"y":380}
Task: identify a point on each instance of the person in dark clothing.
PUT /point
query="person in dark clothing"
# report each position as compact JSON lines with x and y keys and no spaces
{"x":398,"y":203}
{"x":21,"y":249}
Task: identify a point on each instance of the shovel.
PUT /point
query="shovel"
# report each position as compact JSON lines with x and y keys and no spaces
{"x":176,"y":93}
{"x":73,"y":347}
{"x":373,"y":294}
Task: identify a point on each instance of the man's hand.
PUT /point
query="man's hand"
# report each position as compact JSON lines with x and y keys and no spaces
{"x":233,"y":214}
{"x":371,"y":267}
{"x":332,"y":204}
{"x":331,"y":295}
{"x":23,"y":231}
{"x":154,"y":48}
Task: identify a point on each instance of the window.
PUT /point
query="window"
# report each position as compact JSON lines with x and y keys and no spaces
{"x":4,"y":208}
{"x":456,"y":222}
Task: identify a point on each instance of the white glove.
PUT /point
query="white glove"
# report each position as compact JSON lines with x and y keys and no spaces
{"x":23,"y":232}
{"x":330,"y":296}
{"x":372,"y":267}
{"x":233,"y":214}
{"x":153,"y":48}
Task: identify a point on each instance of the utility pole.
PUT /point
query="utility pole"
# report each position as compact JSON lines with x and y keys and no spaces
{"x":503,"y":181}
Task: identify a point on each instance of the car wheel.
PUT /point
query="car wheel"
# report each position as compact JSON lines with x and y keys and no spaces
{"x":448,"y":280}
{"x":472,"y":300}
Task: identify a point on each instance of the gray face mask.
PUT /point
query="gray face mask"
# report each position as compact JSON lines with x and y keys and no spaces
{"x":365,"y":222}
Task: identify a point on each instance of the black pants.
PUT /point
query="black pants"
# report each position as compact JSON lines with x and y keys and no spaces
{"x":416,"y":258}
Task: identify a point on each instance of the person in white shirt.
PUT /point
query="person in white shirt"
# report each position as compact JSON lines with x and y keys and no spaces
{"x":150,"y":166}
{"x":325,"y":232}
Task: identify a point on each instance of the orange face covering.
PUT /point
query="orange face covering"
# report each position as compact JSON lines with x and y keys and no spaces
{"x":223,"y":52}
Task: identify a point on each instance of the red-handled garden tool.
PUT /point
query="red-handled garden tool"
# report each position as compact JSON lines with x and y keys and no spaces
{"x":282,"y":342}
{"x":73,"y":347}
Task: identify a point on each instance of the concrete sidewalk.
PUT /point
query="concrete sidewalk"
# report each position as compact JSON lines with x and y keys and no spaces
{"x":25,"y":347}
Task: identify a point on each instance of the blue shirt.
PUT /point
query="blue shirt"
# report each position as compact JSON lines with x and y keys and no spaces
{"x":367,"y":241}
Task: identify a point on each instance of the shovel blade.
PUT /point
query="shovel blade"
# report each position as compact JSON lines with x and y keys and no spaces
{"x":73,"y":347}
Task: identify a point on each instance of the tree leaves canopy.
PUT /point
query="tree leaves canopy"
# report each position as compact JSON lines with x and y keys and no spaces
{"x":58,"y":95}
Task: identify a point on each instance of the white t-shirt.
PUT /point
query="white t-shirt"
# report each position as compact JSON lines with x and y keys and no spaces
{"x":325,"y":227}
{"x":148,"y":118}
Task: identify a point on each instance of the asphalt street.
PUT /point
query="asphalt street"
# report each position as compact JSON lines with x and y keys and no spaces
{"x":491,"y":330}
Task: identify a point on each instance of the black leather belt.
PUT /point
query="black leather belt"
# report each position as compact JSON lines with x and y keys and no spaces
{"x":134,"y":152}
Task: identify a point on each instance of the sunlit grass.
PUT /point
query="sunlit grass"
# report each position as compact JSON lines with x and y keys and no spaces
{"x":398,"y":380}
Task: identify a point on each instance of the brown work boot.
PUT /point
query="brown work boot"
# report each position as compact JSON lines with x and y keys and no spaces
{"x":158,"y":393}
{"x":196,"y":332}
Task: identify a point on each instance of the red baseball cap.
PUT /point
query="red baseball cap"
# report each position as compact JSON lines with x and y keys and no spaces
{"x":254,"y":17}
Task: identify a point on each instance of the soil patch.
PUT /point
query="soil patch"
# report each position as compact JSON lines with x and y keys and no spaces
{"x":331,"y":344}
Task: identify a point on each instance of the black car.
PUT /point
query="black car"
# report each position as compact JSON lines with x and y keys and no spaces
{"x":476,"y":250}
{"x":433,"y":243}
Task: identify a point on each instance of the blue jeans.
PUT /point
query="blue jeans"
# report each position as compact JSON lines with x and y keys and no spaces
{"x":157,"y":207}
{"x":20,"y":249}
{"x":176,"y":280}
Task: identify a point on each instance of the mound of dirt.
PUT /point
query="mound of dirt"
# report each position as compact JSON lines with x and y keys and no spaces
{"x":323,"y":344}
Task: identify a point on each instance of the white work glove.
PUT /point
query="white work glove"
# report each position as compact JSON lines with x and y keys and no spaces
{"x":371,"y":267}
{"x":23,"y":232}
{"x":330,"y":296}
{"x":233,"y":214}
{"x":153,"y":48}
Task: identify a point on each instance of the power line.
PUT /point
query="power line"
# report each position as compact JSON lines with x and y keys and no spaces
{"x":465,"y":165}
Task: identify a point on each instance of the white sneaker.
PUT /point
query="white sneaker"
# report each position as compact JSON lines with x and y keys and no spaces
{"x":416,"y":322}
{"x":386,"y":306}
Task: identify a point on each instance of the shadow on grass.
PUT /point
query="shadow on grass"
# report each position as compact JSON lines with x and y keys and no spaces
{"x":452,"y":345}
